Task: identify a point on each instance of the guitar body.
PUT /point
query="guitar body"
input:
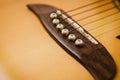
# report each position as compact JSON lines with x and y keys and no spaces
{"x":27,"y":52}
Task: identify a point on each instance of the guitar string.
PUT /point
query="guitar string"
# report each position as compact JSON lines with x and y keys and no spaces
{"x":89,"y":10}
{"x":83,"y":6}
{"x":71,"y":10}
{"x":107,"y":31}
{"x":98,"y":19}
{"x":91,"y":16}
{"x":104,"y":24}
{"x":101,"y":18}
{"x":117,"y":19}
{"x":95,"y":14}
{"x":86,"y":10}
{"x":98,"y":1}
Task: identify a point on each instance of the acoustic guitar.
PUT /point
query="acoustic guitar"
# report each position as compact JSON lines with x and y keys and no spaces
{"x":29,"y":50}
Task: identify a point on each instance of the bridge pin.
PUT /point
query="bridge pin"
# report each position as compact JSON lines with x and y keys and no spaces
{"x":53,"y":15}
{"x":71,"y":37}
{"x":56,"y":21}
{"x":79,"y":42}
{"x":60,"y":26}
{"x":65,"y":32}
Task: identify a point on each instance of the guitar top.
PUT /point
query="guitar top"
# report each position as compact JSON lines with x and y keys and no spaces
{"x":83,"y":43}
{"x":78,"y":43}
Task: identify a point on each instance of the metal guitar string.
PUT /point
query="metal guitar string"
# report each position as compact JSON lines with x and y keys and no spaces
{"x":108,"y":31}
{"x":101,"y":18}
{"x":89,"y":15}
{"x":84,"y":6}
{"x":85,"y":10}
{"x":93,"y":14}
{"x":104,"y":24}
{"x":91,"y":9}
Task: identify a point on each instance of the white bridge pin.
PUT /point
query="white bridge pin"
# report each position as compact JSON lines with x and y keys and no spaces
{"x":71,"y":37}
{"x":60,"y":26}
{"x":65,"y":32}
{"x":56,"y":21}
{"x":53,"y":15}
{"x":79,"y":42}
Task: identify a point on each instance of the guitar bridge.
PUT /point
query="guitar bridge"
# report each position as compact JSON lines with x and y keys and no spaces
{"x":60,"y":17}
{"x":74,"y":39}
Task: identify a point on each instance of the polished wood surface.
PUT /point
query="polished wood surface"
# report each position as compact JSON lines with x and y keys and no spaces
{"x":27,"y":52}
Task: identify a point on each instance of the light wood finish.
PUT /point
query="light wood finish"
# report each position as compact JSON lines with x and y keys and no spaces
{"x":27,"y":52}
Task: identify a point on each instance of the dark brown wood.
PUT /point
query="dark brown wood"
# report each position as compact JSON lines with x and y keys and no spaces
{"x":95,"y":58}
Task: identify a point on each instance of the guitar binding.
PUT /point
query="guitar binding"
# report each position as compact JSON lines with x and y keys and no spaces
{"x":85,"y":49}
